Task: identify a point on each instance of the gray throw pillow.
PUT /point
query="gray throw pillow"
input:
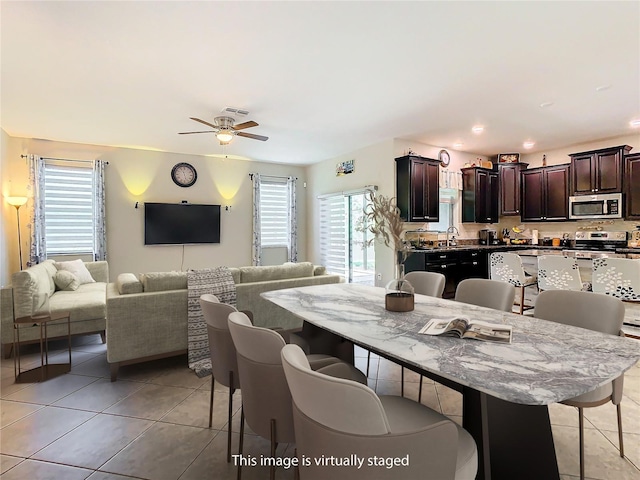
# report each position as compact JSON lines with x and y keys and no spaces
{"x":66,"y":280}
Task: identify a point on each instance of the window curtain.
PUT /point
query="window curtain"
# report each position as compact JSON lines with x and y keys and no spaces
{"x":38,"y":247}
{"x":99,"y":216}
{"x":293,"y":221}
{"x":256,"y":255}
{"x":450,"y":179}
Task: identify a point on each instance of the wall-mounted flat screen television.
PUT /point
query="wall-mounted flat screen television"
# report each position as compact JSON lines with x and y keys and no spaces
{"x":181,"y":223}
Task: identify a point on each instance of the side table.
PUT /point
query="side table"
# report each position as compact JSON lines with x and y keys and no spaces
{"x":46,"y":370}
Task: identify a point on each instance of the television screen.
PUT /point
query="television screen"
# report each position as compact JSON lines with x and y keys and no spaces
{"x":181,"y":223}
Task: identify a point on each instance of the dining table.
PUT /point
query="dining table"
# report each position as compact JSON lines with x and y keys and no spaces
{"x":506,"y":387}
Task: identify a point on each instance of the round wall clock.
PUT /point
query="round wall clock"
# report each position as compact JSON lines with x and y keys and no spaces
{"x":444,"y":158}
{"x":184,"y":174}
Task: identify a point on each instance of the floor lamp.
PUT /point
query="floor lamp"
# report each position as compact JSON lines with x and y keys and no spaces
{"x":18,"y":202}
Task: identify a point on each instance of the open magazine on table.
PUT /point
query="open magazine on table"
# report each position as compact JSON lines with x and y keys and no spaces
{"x":463,"y":327}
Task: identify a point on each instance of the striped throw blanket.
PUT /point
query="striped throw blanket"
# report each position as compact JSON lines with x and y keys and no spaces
{"x":219,"y":282}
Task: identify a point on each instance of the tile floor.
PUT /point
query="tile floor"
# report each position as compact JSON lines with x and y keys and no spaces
{"x":152,"y":423}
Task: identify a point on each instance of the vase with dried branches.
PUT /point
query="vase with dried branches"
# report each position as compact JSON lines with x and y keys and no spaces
{"x":384,"y":221}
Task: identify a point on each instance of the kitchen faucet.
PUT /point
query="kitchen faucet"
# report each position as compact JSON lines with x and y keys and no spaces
{"x":451,"y":229}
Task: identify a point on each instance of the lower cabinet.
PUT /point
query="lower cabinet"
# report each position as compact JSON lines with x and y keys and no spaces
{"x":454,"y":265}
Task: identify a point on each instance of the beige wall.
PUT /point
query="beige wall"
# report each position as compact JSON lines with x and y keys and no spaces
{"x":144,"y":176}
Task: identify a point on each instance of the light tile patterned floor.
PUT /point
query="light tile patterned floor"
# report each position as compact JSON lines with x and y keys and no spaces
{"x":152,"y":423}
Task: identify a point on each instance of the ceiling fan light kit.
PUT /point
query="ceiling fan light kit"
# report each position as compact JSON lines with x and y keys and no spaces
{"x":225,"y":129}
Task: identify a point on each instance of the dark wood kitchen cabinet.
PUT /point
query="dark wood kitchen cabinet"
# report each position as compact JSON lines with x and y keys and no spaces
{"x":598,"y":171}
{"x":632,"y":186}
{"x":480,"y":190}
{"x":455,"y":265}
{"x":417,"y":188}
{"x":510,"y":187}
{"x":545,"y":192}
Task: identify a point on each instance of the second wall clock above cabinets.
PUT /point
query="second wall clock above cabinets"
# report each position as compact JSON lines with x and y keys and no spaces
{"x":598,"y":171}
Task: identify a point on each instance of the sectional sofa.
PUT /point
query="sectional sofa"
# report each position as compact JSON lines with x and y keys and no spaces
{"x":147,"y":315}
{"x":85,"y":302}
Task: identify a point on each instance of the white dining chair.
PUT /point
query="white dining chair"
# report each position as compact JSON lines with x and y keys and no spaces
{"x":507,"y":267}
{"x":618,"y":277}
{"x":594,"y":312}
{"x":556,"y":272}
{"x":338,"y":417}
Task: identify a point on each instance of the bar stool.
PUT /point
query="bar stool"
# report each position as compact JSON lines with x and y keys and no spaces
{"x":618,"y":277}
{"x":507,"y":267}
{"x":556,"y":272}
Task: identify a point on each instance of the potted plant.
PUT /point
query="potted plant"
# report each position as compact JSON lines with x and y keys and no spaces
{"x":384,"y":221}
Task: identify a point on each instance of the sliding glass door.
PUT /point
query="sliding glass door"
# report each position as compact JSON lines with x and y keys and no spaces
{"x":345,"y":248}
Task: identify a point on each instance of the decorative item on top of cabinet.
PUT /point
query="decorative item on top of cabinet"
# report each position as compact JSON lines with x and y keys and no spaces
{"x":545,"y":192}
{"x":632,"y":186}
{"x":510,"y":187}
{"x":479,"y":195}
{"x":417,"y":188}
{"x":598,"y":171}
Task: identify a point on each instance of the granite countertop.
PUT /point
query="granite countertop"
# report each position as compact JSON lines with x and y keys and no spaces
{"x":461,"y":248}
{"x":547,"y":362}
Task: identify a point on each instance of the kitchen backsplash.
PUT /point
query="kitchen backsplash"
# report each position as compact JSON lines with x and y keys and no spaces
{"x":469,"y":231}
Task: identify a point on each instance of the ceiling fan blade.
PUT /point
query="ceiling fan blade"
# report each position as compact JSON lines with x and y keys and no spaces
{"x":187,"y":133}
{"x":202,"y":121}
{"x":244,"y":125}
{"x":251,"y":135}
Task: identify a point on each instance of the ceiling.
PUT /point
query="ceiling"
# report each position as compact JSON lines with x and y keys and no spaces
{"x":321,"y":78}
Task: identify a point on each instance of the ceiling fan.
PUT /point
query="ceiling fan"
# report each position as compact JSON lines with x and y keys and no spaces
{"x":225,"y":129}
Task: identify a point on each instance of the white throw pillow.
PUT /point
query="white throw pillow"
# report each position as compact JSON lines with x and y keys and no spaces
{"x":78,"y":268}
{"x":65,"y":280}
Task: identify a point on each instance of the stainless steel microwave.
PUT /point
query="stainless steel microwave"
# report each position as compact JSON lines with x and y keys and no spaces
{"x":595,"y":206}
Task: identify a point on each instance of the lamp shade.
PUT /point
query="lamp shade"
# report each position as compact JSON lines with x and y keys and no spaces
{"x":16,"y":201}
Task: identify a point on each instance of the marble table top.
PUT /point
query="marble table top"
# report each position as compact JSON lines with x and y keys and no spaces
{"x":546,"y":362}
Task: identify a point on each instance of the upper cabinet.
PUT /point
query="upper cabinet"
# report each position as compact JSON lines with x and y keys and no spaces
{"x":417,"y":188}
{"x":480,"y":189}
{"x":545,"y":192}
{"x":632,"y":188}
{"x":510,"y":187}
{"x":598,"y":171}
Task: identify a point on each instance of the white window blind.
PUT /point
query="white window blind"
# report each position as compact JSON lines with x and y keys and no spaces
{"x":274,"y":213}
{"x":334,"y":234}
{"x":68,"y":211}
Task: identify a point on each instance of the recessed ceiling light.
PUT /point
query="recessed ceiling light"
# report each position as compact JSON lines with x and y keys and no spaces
{"x":546,"y":104}
{"x":528,"y":144}
{"x":635,"y":123}
{"x":601,"y":88}
{"x":458,"y":144}
{"x":477,"y":129}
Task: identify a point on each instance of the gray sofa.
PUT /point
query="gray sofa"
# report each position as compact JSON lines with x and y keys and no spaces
{"x":147,"y":316}
{"x":86,"y":305}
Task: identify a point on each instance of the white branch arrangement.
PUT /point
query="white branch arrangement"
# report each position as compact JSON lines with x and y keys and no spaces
{"x":384,"y":221}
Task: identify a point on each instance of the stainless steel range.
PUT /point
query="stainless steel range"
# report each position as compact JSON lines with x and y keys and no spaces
{"x":597,"y":244}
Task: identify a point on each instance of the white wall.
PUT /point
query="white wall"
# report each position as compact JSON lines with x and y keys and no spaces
{"x":15,"y":178}
{"x":144,"y":176}
{"x":373,"y":165}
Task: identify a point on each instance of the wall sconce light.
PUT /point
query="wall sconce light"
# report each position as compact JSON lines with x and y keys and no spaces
{"x":227,"y":208}
{"x":18,"y":202}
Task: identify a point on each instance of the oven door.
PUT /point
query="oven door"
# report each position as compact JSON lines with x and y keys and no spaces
{"x":595,"y":206}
